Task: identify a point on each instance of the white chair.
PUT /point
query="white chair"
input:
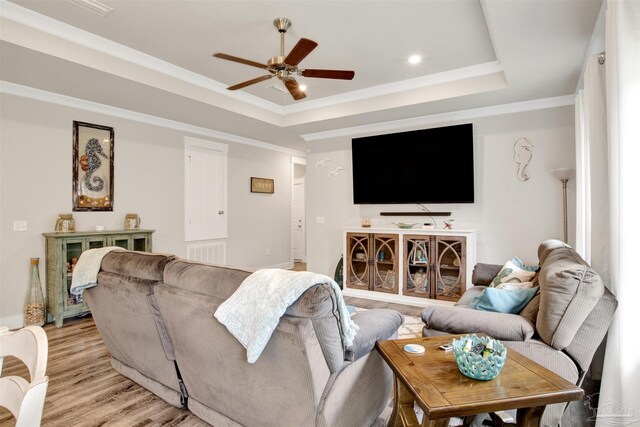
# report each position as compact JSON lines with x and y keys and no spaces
{"x":25,"y":399}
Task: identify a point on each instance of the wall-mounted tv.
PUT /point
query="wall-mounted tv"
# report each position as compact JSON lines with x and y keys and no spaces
{"x":423,"y":166}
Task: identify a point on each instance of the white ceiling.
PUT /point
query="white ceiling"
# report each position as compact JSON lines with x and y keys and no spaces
{"x":154,"y":57}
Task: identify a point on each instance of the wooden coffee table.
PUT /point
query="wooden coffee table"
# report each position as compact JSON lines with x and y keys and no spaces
{"x":433,"y":381}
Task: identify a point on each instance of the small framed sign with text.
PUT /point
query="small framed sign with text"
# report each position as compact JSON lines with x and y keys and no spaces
{"x":261,"y":185}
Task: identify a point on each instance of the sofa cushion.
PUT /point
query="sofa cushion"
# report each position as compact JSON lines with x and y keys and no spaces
{"x":569,"y":290}
{"x":504,"y":300}
{"x":461,"y":320}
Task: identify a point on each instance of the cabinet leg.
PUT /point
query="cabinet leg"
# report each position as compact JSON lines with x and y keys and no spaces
{"x":59,"y":320}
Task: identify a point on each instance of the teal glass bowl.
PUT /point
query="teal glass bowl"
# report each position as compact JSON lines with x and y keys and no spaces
{"x":474,"y":365}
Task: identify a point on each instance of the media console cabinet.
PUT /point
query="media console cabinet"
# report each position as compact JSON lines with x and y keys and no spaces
{"x":410,"y":266}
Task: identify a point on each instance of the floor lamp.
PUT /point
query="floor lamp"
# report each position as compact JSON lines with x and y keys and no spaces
{"x":564,"y":175}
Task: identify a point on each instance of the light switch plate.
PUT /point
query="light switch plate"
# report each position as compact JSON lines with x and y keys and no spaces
{"x":20,"y":225}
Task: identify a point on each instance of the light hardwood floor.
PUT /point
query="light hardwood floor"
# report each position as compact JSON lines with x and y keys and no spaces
{"x":84,"y":390}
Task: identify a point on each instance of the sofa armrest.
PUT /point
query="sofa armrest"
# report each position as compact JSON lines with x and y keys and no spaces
{"x":483,"y":274}
{"x":375,"y":325}
{"x":463,"y":320}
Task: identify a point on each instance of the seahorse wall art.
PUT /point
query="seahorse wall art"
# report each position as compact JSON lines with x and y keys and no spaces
{"x":90,"y":163}
{"x":523,"y":151}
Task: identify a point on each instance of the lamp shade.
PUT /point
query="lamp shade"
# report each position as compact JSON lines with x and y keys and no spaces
{"x":563,"y":173}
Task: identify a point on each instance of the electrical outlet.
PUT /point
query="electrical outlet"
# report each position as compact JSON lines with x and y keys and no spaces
{"x":20,"y":225}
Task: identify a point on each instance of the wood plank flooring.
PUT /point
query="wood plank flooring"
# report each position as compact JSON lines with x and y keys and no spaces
{"x":85,"y":391}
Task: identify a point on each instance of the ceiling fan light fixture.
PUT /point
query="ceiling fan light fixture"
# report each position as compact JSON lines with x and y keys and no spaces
{"x":415,"y":59}
{"x":285,"y":68}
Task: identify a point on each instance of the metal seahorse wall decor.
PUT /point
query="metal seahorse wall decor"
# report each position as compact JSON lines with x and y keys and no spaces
{"x":93,"y":162}
{"x":523,"y":151}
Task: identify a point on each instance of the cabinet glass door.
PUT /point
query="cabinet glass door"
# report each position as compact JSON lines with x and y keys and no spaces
{"x":417,"y":266}
{"x":120,"y":241}
{"x":140,"y":243}
{"x":357,"y":261}
{"x":385,"y":261}
{"x":449,"y":273}
{"x":95,"y":242}
{"x":72,"y":249}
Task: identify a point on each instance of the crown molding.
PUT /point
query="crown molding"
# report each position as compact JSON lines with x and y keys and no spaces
{"x":9,"y":88}
{"x":397,"y":125}
{"x":29,"y":29}
{"x":62,"y":37}
{"x":444,"y":77}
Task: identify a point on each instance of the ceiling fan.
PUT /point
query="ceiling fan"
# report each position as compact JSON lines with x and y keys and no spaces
{"x":285,"y":68}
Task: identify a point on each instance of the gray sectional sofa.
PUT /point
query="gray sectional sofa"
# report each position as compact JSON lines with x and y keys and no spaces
{"x":155,"y":315}
{"x":560,"y":328}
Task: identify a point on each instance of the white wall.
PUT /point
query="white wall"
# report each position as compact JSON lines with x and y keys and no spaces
{"x":512,"y":217}
{"x":35,"y":184}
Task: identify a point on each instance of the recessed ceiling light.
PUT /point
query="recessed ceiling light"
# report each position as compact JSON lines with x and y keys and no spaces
{"x":303,"y":87}
{"x":414,"y":59}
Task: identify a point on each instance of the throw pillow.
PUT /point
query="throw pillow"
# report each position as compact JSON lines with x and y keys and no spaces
{"x":517,"y":261}
{"x":512,"y":273}
{"x":515,"y":285}
{"x":504,"y":300}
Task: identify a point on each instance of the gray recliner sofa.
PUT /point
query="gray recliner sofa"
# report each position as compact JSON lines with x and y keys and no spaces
{"x":560,"y":328}
{"x":155,"y":315}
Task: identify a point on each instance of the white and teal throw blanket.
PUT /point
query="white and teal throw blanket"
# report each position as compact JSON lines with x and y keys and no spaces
{"x":252,"y":313}
{"x":85,"y":273}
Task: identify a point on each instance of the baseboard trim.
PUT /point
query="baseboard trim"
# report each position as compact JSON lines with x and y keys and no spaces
{"x":284,"y":265}
{"x":393,"y":298}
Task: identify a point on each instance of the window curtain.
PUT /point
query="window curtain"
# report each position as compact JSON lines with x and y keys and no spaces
{"x":619,"y":402}
{"x":592,"y":170}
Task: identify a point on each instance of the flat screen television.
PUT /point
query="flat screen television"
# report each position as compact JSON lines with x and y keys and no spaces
{"x":422,"y":166}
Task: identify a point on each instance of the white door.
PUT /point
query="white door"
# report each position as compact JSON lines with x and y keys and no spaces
{"x":205,"y":190}
{"x":298,"y":230}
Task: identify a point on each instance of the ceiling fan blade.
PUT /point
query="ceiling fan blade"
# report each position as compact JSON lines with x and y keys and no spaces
{"x":249,"y":82}
{"x":328,"y":74}
{"x":294,"y":89}
{"x":240,"y":60}
{"x":300,"y":51}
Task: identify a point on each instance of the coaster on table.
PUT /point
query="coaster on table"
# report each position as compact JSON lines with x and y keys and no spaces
{"x":414,"y":348}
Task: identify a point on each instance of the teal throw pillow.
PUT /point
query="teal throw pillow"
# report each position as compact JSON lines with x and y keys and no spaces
{"x":504,"y":300}
{"x":517,"y":261}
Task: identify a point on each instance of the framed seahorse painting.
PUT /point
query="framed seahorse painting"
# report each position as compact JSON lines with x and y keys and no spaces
{"x":92,"y":167}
